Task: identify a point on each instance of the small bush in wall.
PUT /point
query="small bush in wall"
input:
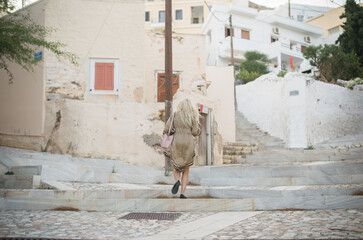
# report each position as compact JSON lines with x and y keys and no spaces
{"x":281,"y":74}
{"x":352,"y":83}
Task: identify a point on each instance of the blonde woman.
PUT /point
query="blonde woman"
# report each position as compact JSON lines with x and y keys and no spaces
{"x":181,"y":151}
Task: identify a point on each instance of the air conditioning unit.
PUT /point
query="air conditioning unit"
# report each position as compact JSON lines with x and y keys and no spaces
{"x":307,"y":39}
{"x":275,"y":30}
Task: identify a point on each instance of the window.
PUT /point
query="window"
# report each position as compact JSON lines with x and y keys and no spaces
{"x":104,"y":76}
{"x":292,"y":46}
{"x":274,"y":39}
{"x":161,"y":86}
{"x":197,"y":14}
{"x":161,"y":16}
{"x":334,"y":30}
{"x":147,"y":16}
{"x":245,"y":34}
{"x":300,"y":18}
{"x":227,"y":32}
{"x":179,"y":14}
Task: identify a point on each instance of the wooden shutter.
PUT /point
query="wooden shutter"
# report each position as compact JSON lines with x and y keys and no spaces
{"x":226,"y":29}
{"x":161,"y":86}
{"x":245,"y":34}
{"x":104,"y":76}
{"x":109,"y":76}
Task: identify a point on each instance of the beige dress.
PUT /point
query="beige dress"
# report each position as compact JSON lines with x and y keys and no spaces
{"x":182,"y":150}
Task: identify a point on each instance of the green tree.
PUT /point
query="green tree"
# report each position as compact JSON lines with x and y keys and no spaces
{"x":351,"y":40}
{"x":254,"y":66}
{"x":333,"y":63}
{"x":21,"y":37}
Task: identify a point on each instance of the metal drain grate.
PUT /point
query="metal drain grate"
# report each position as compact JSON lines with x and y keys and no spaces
{"x":152,"y":216}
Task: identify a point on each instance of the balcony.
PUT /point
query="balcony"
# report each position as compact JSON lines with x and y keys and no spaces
{"x":272,"y":50}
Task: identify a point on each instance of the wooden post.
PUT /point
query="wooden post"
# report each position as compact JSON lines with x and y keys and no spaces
{"x":168,"y":73}
{"x":231,"y":33}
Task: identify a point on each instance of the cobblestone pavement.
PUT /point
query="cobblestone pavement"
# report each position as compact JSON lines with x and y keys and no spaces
{"x":107,"y":225}
{"x":323,"y":224}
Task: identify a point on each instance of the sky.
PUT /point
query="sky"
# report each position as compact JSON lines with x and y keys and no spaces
{"x":275,"y":3}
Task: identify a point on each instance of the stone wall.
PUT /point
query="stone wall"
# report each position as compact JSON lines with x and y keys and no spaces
{"x":300,"y":110}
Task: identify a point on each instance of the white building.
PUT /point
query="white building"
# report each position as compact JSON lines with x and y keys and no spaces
{"x":300,"y":12}
{"x":278,"y":37}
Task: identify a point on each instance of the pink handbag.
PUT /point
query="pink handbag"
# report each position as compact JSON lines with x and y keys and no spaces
{"x":167,"y":138}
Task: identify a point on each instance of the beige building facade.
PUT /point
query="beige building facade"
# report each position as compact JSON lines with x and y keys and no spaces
{"x":62,"y":108}
{"x":107,"y":106}
{"x":329,"y":21}
{"x":188,"y":16}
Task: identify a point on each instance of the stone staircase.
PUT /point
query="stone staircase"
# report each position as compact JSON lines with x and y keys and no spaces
{"x":247,"y":132}
{"x":234,"y":151}
{"x":329,"y":182}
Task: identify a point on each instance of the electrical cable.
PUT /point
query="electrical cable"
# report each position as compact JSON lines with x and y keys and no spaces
{"x":215,"y":15}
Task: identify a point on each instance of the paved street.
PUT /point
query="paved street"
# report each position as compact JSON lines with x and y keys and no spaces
{"x":108,"y":225}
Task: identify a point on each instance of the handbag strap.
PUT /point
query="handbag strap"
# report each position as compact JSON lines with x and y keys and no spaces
{"x":172,"y":120}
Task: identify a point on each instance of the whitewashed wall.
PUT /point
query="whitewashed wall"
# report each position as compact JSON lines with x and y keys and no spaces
{"x":300,"y":110}
{"x":332,"y":111}
{"x":221,"y":89}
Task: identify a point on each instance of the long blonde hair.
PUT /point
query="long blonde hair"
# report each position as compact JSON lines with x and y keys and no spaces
{"x":189,"y":114}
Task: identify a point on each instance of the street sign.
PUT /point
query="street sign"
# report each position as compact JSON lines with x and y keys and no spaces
{"x":38,"y":56}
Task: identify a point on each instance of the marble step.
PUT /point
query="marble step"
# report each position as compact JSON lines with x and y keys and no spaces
{"x":281,"y":181}
{"x":280,"y":170}
{"x":88,"y":191}
{"x":257,"y":157}
{"x":184,"y":205}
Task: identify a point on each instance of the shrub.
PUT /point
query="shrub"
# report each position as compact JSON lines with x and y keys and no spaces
{"x":254,"y":66}
{"x":333,"y":63}
{"x":281,"y":74}
{"x":354,"y":82}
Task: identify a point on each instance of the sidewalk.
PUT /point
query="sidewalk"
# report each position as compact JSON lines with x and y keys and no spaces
{"x":227,"y":225}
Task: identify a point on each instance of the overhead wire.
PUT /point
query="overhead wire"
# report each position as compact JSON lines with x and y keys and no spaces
{"x":213,"y":13}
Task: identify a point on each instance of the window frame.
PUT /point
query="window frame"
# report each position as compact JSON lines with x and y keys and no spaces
{"x":162,"y":10}
{"x":179,"y":9}
{"x":300,"y":18}
{"x":149,"y":16}
{"x":333,"y":30}
{"x":116,"y":75}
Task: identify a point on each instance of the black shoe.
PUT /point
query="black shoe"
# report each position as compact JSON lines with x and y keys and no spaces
{"x":175,"y":188}
{"x":182,"y":196}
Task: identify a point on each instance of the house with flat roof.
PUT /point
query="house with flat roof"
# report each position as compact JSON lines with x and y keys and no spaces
{"x":280,"y":38}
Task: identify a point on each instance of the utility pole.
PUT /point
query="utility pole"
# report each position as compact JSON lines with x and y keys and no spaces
{"x":22,"y":3}
{"x":289,"y":10}
{"x":168,"y":73}
{"x":231,"y":33}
